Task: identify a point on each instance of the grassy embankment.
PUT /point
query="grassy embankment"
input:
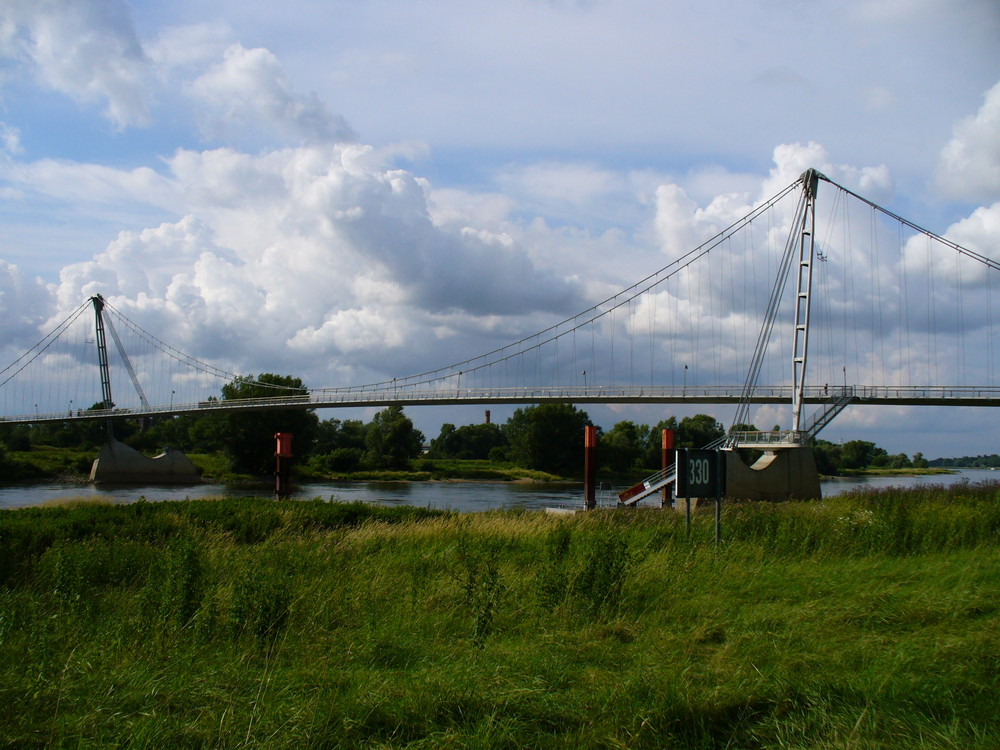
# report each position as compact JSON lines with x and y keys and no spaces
{"x":861,"y":621}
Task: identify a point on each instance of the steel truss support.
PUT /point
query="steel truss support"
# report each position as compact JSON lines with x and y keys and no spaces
{"x":102,"y":352}
{"x":800,"y":344}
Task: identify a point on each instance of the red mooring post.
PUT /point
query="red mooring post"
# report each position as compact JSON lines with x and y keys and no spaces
{"x":667,"y":450}
{"x":589,"y":468}
{"x":283,"y":465}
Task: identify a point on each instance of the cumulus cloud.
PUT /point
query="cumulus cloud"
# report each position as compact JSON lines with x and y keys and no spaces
{"x":249,"y":90}
{"x":323,"y":248}
{"x":86,"y":49}
{"x":969,"y":165}
{"x":23,"y":302}
{"x":89,"y":51}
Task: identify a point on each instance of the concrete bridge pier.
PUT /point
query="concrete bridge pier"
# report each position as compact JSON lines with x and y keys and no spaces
{"x":117,"y":463}
{"x":783,"y":474}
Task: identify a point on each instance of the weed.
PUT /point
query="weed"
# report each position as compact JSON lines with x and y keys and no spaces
{"x":482,"y":588}
{"x":600,"y":580}
{"x":261,"y":604}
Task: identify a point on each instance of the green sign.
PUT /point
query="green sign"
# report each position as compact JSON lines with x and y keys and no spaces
{"x":700,"y":473}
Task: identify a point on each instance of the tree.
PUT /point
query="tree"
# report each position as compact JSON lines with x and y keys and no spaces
{"x":827,"y":456}
{"x":471,"y":441}
{"x":653,"y":456}
{"x":334,"y":434}
{"x":858,"y":454}
{"x":391,"y":440}
{"x":900,"y":461}
{"x":247,"y":438}
{"x":698,"y":431}
{"x":622,"y":447}
{"x":339,"y":446}
{"x":547,"y":437}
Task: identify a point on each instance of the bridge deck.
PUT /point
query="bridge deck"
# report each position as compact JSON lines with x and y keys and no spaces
{"x":404,"y":396}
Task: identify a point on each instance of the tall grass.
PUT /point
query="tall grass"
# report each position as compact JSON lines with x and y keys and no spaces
{"x":865,"y":621}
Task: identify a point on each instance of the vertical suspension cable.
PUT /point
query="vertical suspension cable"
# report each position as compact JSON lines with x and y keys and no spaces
{"x":904,"y":309}
{"x":652,"y":336}
{"x":932,"y":312}
{"x":960,"y":323}
{"x":878,"y":298}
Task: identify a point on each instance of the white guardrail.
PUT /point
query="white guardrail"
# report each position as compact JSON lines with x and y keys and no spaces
{"x":406,"y":395}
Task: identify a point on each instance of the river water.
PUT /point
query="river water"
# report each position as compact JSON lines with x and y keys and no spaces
{"x":460,"y":496}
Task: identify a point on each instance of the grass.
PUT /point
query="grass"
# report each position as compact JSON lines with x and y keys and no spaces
{"x":867,"y":621}
{"x":47,"y":461}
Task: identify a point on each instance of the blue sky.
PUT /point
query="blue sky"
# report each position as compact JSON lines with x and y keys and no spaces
{"x":205,"y":165}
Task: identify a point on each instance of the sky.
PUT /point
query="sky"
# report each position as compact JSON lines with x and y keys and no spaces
{"x":348,"y":191}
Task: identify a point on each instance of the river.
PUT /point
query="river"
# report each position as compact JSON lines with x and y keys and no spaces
{"x":460,"y":496}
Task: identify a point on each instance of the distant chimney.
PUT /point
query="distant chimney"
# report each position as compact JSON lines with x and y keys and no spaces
{"x":487,"y":416}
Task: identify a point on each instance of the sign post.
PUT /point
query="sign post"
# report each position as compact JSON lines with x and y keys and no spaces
{"x":702,"y":473}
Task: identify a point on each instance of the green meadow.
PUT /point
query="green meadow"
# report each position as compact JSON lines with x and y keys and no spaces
{"x":865,"y":621}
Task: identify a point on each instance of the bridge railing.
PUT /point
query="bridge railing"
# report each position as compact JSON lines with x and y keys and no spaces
{"x":764,"y":438}
{"x":369,"y":396}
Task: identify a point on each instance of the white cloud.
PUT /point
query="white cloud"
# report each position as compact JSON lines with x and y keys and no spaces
{"x":327,"y":249}
{"x":189,"y":47}
{"x":86,"y":49}
{"x":969,"y":166}
{"x":23,"y":303}
{"x":249,"y":90}
{"x":10,"y":138}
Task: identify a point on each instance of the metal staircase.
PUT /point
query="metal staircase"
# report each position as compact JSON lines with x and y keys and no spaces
{"x":648,"y":486}
{"x":837,"y":403}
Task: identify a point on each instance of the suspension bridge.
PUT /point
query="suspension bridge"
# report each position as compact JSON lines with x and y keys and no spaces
{"x":810,"y":303}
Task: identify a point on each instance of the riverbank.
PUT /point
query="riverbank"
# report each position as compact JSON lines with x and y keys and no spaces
{"x":910,"y":472}
{"x":861,"y":621}
{"x":67,"y":465}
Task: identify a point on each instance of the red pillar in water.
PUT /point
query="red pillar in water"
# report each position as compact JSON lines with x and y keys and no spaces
{"x":589,"y":467}
{"x":283,"y":465}
{"x":667,"y":449}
